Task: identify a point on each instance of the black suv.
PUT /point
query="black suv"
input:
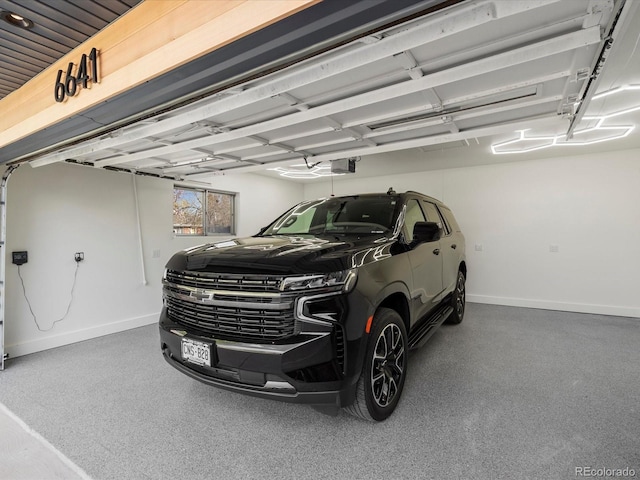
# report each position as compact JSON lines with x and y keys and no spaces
{"x":320,"y":307}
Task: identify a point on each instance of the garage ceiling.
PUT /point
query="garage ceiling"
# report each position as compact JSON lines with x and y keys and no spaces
{"x":474,"y":70}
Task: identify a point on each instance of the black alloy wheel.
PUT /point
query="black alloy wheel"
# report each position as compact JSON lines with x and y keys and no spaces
{"x":385,"y":368}
{"x":458,"y":300}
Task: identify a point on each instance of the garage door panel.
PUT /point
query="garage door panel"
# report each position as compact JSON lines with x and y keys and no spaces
{"x":491,"y":65}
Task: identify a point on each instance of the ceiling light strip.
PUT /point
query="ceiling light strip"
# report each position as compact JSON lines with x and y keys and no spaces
{"x":613,"y":91}
{"x":560,"y":140}
{"x":564,"y":140}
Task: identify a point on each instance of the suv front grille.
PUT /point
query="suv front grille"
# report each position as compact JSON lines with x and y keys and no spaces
{"x":230,"y":306}
{"x":216,"y":281}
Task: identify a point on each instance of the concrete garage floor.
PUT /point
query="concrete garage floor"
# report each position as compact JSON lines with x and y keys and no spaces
{"x":510,"y":393}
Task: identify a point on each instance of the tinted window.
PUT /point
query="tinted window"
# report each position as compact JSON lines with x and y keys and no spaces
{"x":434,"y":216}
{"x":413,"y":215}
{"x":448,"y":215}
{"x":348,"y":215}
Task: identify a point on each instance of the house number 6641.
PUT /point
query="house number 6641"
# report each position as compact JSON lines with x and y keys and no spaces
{"x":87,"y":72}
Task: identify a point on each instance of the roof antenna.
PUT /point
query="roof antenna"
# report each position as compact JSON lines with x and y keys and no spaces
{"x":391,"y":191}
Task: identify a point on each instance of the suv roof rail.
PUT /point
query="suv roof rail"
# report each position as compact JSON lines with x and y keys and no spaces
{"x":435,"y":200}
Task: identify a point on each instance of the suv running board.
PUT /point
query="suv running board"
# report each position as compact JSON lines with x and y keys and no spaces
{"x":429,"y":325}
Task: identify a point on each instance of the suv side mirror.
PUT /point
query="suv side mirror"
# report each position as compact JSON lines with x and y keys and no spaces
{"x":424,"y":232}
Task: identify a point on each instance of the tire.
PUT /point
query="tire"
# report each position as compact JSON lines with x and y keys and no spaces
{"x":380,"y":384}
{"x":458,"y":300}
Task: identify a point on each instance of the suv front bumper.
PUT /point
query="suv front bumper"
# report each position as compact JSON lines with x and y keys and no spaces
{"x":270,"y":370}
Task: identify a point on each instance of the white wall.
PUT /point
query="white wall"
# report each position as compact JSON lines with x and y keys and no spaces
{"x":57,"y":210}
{"x":587,"y":206}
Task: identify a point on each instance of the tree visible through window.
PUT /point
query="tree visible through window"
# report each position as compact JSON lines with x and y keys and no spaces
{"x":202,"y":212}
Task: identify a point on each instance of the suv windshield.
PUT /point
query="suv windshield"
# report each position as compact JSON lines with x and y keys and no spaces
{"x":361,"y":215}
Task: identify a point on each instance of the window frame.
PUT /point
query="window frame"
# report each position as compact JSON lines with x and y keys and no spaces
{"x":204,"y":192}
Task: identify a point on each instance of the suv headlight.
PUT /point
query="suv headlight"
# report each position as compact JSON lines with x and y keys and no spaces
{"x":345,"y":279}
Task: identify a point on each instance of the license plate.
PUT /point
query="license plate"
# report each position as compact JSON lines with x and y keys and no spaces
{"x":196,"y":352}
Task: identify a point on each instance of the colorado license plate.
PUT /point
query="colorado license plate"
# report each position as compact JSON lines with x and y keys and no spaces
{"x":196,"y":352}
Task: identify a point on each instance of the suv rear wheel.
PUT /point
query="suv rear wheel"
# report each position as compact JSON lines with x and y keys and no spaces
{"x":458,"y":300}
{"x":385,"y":369}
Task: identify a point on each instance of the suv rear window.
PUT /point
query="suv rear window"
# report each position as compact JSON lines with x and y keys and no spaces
{"x":451,"y":220}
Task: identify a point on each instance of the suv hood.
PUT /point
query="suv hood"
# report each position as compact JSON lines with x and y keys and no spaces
{"x":283,"y":254}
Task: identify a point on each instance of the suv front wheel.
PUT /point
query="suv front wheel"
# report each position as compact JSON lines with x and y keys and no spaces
{"x":385,"y":369}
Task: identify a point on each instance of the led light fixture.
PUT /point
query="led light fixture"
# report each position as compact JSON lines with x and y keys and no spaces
{"x":613,"y":91}
{"x":16,"y":20}
{"x":302,"y":172}
{"x":587,"y":136}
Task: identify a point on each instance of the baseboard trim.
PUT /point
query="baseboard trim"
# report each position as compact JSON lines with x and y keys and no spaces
{"x":561,"y":306}
{"x":67,"y":338}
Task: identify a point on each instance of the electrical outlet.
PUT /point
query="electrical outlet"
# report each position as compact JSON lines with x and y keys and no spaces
{"x":79,"y":256}
{"x":19,"y":258}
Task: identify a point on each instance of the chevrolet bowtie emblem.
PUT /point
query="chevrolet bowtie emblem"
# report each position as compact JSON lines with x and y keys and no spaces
{"x":200,"y":295}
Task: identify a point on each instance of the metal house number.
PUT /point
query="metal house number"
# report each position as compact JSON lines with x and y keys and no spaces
{"x":87,"y":72}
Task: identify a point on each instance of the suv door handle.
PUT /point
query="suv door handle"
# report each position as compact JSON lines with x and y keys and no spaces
{"x":436,"y":251}
{"x":454,"y":246}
